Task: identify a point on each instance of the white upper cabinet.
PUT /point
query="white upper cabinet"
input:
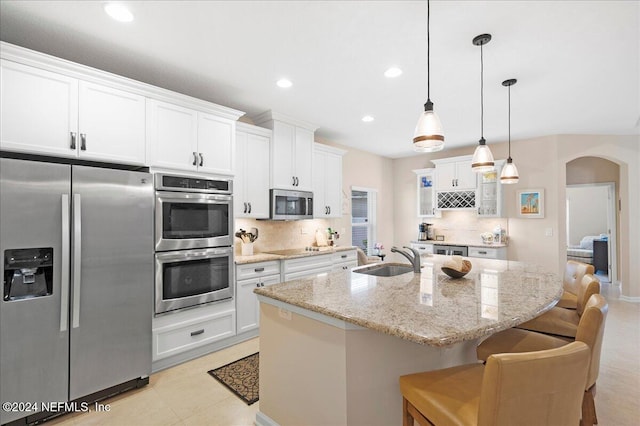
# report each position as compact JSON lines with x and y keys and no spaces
{"x":50,"y":106}
{"x":291,"y":151}
{"x":327,"y":181}
{"x":489,"y":192}
{"x":426,"y":193}
{"x":44,"y":112}
{"x":185,"y":139}
{"x":112,"y":124}
{"x":251,"y":183}
{"x":454,"y":174}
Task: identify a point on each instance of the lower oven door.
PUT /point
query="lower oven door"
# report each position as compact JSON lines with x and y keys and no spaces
{"x":188,"y":278}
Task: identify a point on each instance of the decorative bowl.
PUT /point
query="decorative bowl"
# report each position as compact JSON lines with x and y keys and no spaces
{"x":453,"y":273}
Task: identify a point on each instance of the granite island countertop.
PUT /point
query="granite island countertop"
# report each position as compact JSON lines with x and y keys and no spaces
{"x":428,"y":308}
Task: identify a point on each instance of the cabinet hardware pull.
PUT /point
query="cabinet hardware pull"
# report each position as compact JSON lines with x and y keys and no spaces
{"x":344,"y":256}
{"x":201,"y":159}
{"x":83,"y":141}
{"x":482,"y":252}
{"x":259,"y":270}
{"x":73,"y":141}
{"x":195,"y":333}
{"x":297,"y":181}
{"x":257,"y":284}
{"x":329,"y":209}
{"x":245,"y":207}
{"x":249,"y":207}
{"x":293,"y":181}
{"x":261,"y":284}
{"x":195,"y":158}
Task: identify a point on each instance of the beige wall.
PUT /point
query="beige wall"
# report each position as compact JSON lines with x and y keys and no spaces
{"x":542,"y":164}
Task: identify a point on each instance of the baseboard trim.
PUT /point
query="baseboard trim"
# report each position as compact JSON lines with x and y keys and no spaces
{"x":264,"y":420}
{"x":632,"y":299}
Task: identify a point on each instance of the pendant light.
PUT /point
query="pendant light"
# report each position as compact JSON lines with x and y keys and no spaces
{"x":428,"y":136}
{"x":509,"y":171}
{"x":482,"y":160}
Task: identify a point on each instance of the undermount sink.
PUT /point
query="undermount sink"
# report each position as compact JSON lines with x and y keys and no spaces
{"x":385,"y":270}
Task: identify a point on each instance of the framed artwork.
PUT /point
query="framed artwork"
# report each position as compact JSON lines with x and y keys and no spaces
{"x":531,"y":203}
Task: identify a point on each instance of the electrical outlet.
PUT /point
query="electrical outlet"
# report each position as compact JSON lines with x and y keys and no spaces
{"x":304,"y":231}
{"x":283,"y":313}
{"x":548,"y":232}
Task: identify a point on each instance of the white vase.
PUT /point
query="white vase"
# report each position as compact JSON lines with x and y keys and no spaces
{"x":247,"y":249}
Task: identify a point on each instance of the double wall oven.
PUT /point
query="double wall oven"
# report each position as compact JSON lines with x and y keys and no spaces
{"x":193,"y":241}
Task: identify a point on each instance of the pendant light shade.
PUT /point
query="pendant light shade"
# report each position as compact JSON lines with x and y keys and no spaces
{"x":428,"y":135}
{"x":509,"y":173}
{"x":482,"y":160}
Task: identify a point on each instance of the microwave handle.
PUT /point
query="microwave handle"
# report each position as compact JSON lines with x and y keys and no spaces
{"x":309,"y":206}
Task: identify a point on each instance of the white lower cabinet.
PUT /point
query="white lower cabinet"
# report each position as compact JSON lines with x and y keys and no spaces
{"x":182,"y":331}
{"x":249,"y":277}
{"x":488,"y":253}
{"x":308,"y":266}
{"x":344,"y":260}
{"x":423,"y":248}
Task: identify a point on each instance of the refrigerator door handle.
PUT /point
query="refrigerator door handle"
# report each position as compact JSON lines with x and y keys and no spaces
{"x":64,"y":273}
{"x":77,"y":252}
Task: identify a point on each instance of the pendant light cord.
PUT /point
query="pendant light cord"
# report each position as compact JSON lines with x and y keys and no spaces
{"x":428,"y":53}
{"x":481,"y":94}
{"x":509,"y":122}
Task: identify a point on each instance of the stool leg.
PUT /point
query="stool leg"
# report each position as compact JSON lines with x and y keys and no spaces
{"x":407,"y":420}
{"x":589,"y":417}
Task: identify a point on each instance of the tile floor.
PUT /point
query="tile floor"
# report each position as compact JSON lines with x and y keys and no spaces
{"x":187,"y":395}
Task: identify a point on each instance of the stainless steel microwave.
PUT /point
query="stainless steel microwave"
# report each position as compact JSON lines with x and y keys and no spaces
{"x":290,"y":205}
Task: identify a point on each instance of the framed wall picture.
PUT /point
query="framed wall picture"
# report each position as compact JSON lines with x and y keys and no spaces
{"x":531,"y":203}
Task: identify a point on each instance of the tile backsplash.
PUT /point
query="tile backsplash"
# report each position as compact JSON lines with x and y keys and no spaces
{"x":463,"y":226}
{"x":278,"y":235}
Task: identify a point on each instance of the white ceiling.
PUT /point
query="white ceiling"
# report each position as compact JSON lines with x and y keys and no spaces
{"x":577,"y":62}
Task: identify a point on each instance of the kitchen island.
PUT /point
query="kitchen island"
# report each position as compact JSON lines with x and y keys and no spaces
{"x":333,"y":346}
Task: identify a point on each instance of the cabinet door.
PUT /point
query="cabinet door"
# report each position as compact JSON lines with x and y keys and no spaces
{"x":257,"y":176}
{"x":303,"y":159}
{"x":333,"y":185}
{"x":247,"y":308}
{"x":445,"y":176}
{"x":171,"y":136}
{"x":466,"y":177}
{"x":39,"y":111}
{"x":320,"y":208}
{"x":112,"y":124}
{"x":282,"y":158}
{"x":240,"y":208}
{"x":216,"y":144}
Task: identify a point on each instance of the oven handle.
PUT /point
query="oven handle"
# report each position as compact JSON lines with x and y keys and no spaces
{"x":190,"y":197}
{"x":193,"y":254}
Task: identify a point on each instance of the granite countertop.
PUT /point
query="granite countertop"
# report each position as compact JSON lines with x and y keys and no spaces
{"x":292,"y":254}
{"x":429,"y":308}
{"x":461,"y":243}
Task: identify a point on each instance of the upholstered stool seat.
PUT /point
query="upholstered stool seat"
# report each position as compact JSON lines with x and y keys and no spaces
{"x":590,"y":331}
{"x":564,"y":322}
{"x":573,"y":273}
{"x":532,"y":388}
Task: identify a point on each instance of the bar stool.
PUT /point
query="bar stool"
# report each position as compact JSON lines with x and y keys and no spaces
{"x":573,"y":273}
{"x":532,"y":388}
{"x":564,"y":322}
{"x":590,"y":331}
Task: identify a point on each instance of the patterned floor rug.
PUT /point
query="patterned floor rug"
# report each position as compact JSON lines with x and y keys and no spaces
{"x":240,"y":377}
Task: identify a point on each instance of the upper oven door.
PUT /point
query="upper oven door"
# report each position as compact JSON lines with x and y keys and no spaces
{"x":192,"y":220}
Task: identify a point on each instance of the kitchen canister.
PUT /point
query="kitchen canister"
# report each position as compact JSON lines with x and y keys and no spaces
{"x":247,"y":249}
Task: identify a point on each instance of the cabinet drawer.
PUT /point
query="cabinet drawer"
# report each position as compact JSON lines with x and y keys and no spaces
{"x":343,"y":266}
{"x":303,"y":264}
{"x":423,"y":248}
{"x":253,"y":270}
{"x":488,"y":253}
{"x":174,"y":339}
{"x":345,"y":256}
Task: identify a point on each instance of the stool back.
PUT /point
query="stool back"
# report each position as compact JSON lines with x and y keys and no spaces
{"x":591,"y":330}
{"x":573,"y":273}
{"x":588,"y":286}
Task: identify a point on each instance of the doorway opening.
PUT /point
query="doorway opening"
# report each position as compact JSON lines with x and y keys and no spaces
{"x":363,"y":218}
{"x":591,"y":227}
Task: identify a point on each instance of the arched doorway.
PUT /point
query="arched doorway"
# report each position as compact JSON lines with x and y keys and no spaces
{"x":592,"y":214}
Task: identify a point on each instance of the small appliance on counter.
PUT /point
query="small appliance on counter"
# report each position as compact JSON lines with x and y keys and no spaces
{"x":425,"y":232}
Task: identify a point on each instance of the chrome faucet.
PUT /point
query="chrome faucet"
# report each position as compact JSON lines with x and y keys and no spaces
{"x":415,"y":259}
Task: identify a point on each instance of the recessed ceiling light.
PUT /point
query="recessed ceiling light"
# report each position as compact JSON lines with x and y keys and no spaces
{"x":367,"y":119}
{"x":119,"y":12}
{"x":284,"y":83}
{"x":393,"y":72}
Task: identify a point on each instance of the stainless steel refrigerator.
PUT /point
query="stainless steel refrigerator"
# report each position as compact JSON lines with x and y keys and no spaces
{"x":77,"y":266}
